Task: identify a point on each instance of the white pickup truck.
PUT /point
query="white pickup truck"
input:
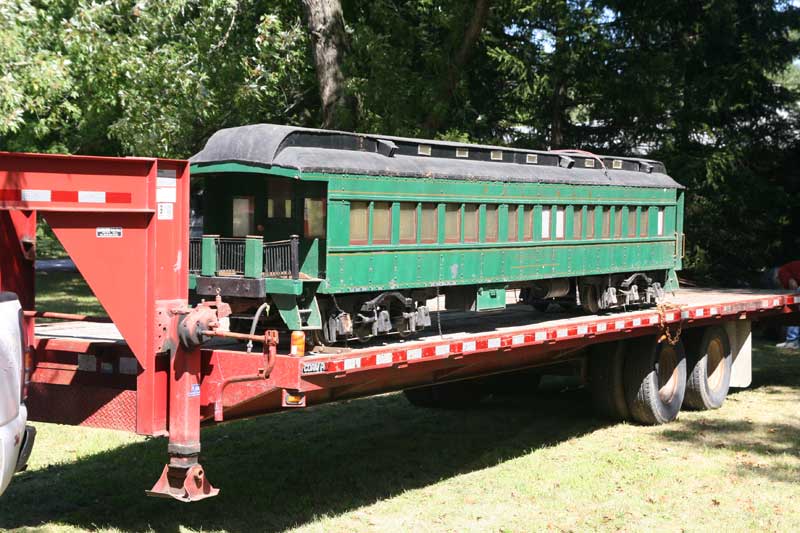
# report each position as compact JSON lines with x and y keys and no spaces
{"x":16,"y":439}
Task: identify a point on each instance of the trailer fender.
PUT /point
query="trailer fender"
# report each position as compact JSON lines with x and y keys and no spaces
{"x":740,"y":334}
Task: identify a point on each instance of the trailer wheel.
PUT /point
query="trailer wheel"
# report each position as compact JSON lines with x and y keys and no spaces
{"x":710,"y":361}
{"x":455,"y":395}
{"x":606,"y":371}
{"x":655,"y":380}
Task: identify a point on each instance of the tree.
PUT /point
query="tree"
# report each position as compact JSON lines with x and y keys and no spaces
{"x":328,"y":39}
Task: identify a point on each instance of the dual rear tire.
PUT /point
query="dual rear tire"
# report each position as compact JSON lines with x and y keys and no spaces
{"x":648,"y":381}
{"x":655,"y":380}
{"x":641,"y":380}
{"x":710,"y":367}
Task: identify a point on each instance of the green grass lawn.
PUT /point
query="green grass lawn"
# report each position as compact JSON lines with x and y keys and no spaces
{"x":65,"y":292}
{"x":536,"y":462}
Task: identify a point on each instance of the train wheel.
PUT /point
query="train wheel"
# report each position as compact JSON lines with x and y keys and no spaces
{"x":316,"y":339}
{"x":456,"y":395}
{"x":655,"y":380}
{"x":541,"y":306}
{"x":710,"y":364}
{"x":606,"y":371}
{"x":589,"y":301}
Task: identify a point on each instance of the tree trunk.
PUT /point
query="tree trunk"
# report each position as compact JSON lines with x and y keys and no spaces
{"x":558,"y":97}
{"x":326,"y":27}
{"x":472,"y":33}
{"x":557,"y":124}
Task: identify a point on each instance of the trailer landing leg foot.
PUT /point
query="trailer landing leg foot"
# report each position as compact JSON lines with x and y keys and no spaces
{"x":185,"y":483}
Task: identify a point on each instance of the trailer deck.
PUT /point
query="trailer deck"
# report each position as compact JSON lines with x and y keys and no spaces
{"x":471,"y":344}
{"x":456,"y":324}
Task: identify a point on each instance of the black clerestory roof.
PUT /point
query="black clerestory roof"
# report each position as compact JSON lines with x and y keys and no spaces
{"x":337,"y":152}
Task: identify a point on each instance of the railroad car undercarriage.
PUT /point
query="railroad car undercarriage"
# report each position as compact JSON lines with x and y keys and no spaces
{"x":363,"y":316}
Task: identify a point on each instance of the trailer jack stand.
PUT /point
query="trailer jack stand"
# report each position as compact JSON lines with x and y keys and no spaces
{"x":183,"y":480}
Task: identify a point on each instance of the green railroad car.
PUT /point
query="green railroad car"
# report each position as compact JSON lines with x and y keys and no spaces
{"x":348,"y":235}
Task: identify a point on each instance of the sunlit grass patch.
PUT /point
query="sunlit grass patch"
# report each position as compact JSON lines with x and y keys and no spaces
{"x":65,"y":292}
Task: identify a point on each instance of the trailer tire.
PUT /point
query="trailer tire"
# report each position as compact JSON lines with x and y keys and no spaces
{"x":455,"y":395}
{"x":710,"y":364}
{"x":655,"y":380}
{"x":606,"y":380}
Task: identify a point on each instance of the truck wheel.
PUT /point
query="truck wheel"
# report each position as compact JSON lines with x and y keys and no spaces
{"x":655,"y":380}
{"x":606,"y":370}
{"x":710,"y":359}
{"x":456,"y":395}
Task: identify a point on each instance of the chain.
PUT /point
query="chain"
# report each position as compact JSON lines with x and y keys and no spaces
{"x":666,"y":334}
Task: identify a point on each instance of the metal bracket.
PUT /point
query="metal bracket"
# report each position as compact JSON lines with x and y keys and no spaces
{"x":186,"y":483}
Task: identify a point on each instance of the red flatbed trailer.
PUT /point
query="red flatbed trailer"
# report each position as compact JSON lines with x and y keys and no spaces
{"x":151,"y":369}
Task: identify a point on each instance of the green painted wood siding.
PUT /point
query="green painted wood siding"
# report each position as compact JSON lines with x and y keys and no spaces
{"x":371,"y":266}
{"x":378,"y":267}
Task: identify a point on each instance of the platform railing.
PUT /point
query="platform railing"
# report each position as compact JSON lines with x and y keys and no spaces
{"x":230,"y":257}
{"x":195,"y":255}
{"x":282,"y":258}
{"x":249,"y":256}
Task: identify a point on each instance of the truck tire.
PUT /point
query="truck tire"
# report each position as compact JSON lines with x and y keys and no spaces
{"x":455,"y":395}
{"x":655,"y":380}
{"x":606,"y":383}
{"x":710,"y":363}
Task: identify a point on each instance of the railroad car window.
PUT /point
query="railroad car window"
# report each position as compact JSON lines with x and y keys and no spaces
{"x":492,"y":223}
{"x":279,"y":199}
{"x":618,"y":221}
{"x":243,"y":210}
{"x":527,"y":221}
{"x":606,"y":222}
{"x":631,"y":221}
{"x":559,"y":222}
{"x":546,"y":223}
{"x":429,"y":230}
{"x":577,"y":222}
{"x":643,"y":225}
{"x":314,"y":218}
{"x":408,"y":223}
{"x":590,"y":214}
{"x":452,"y":222}
{"x":381,"y":223}
{"x":513,"y":222}
{"x":660,"y":221}
{"x":359,"y":222}
{"x":471,"y":213}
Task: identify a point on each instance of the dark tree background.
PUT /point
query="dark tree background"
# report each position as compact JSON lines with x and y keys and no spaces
{"x":711,"y":87}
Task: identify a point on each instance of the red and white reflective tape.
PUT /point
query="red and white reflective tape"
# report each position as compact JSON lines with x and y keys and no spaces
{"x":80,"y":197}
{"x":383,"y":357}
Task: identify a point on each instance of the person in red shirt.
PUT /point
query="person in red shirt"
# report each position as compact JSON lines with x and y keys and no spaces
{"x":788,"y":277}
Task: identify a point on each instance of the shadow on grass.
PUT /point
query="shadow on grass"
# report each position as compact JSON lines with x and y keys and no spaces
{"x":288,"y":469}
{"x":757,"y":446}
